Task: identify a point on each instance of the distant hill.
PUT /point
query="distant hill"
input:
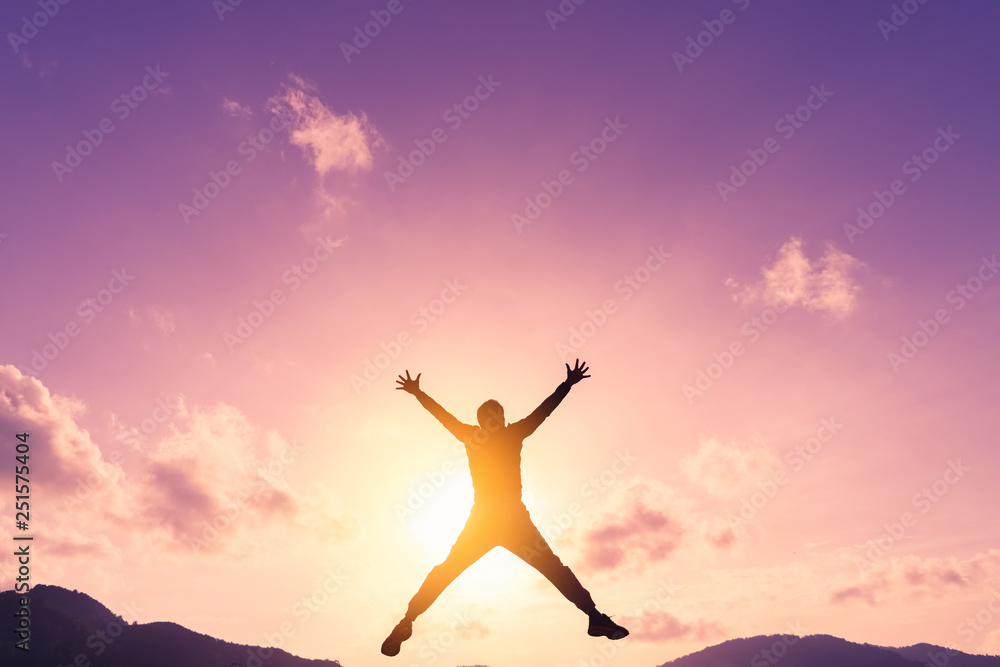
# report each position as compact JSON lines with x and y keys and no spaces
{"x":824,"y":651}
{"x":932,"y":656}
{"x":63,"y":621}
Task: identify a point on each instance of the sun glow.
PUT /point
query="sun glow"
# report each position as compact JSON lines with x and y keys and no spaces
{"x":440,"y":519}
{"x":436,"y":526}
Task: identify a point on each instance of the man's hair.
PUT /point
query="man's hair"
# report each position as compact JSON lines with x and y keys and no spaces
{"x":490,"y":409}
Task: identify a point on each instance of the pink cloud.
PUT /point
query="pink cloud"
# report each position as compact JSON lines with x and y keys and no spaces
{"x":723,"y":539}
{"x":661,"y":626}
{"x":642,"y":527}
{"x":213,"y":482}
{"x":69,"y":453}
{"x":913,"y":577}
{"x":234,"y":108}
{"x":207,"y":480}
{"x":826,"y":285}
{"x":72,"y":543}
{"x":727,"y":469}
{"x":331,"y":142}
{"x":472,"y":629}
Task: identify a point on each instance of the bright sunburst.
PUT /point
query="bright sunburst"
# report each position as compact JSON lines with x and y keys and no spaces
{"x":440,"y":519}
{"x":437,"y":524}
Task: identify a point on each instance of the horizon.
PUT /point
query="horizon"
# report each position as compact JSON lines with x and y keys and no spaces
{"x":771,"y":654}
{"x":768,"y":229}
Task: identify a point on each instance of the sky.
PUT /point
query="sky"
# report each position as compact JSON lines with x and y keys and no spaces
{"x":769,"y":229}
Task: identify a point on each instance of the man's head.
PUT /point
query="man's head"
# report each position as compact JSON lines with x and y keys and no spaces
{"x":490,"y":415}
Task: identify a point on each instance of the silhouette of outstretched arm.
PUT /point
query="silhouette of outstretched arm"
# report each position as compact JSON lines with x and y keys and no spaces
{"x":412,"y":386}
{"x":528,"y":425}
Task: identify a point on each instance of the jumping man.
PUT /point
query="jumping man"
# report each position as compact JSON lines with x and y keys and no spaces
{"x":498,"y":517}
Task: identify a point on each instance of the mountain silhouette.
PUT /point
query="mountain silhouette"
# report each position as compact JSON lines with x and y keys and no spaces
{"x":825,"y":651}
{"x":65,"y":625}
{"x":62,"y":622}
{"x":938,"y":656}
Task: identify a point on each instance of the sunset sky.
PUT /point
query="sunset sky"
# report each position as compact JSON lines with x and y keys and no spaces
{"x":770,"y":228}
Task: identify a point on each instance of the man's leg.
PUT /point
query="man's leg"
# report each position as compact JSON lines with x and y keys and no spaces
{"x":531,"y":547}
{"x":528,"y":543}
{"x":472,"y":544}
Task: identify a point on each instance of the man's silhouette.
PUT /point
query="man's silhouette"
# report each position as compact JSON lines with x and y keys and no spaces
{"x":498,"y":517}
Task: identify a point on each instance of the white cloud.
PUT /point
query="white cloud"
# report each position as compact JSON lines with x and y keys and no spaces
{"x":911,"y":578}
{"x":725,"y":470}
{"x":163,"y":320}
{"x":661,"y":626}
{"x":826,"y":285}
{"x":69,"y":453}
{"x":234,"y":108}
{"x":646,"y":521}
{"x":205,"y":480}
{"x":331,"y":142}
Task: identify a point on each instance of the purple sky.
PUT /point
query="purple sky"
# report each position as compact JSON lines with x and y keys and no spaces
{"x":744,"y":310}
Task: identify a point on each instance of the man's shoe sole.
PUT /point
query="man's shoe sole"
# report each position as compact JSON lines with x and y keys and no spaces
{"x":391,"y":647}
{"x":608,"y":632}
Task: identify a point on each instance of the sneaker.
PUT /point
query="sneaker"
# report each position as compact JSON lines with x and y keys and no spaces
{"x":399,"y":634}
{"x":601,"y":625}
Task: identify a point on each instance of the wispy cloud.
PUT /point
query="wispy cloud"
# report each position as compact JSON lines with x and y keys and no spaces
{"x":163,"y":320}
{"x":726,"y":469}
{"x":44,"y":71}
{"x":234,"y":108}
{"x":661,"y":626}
{"x":826,"y":285}
{"x":213,"y":482}
{"x":70,"y":455}
{"x":331,"y":142}
{"x":913,"y":577}
{"x":643,"y":525}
